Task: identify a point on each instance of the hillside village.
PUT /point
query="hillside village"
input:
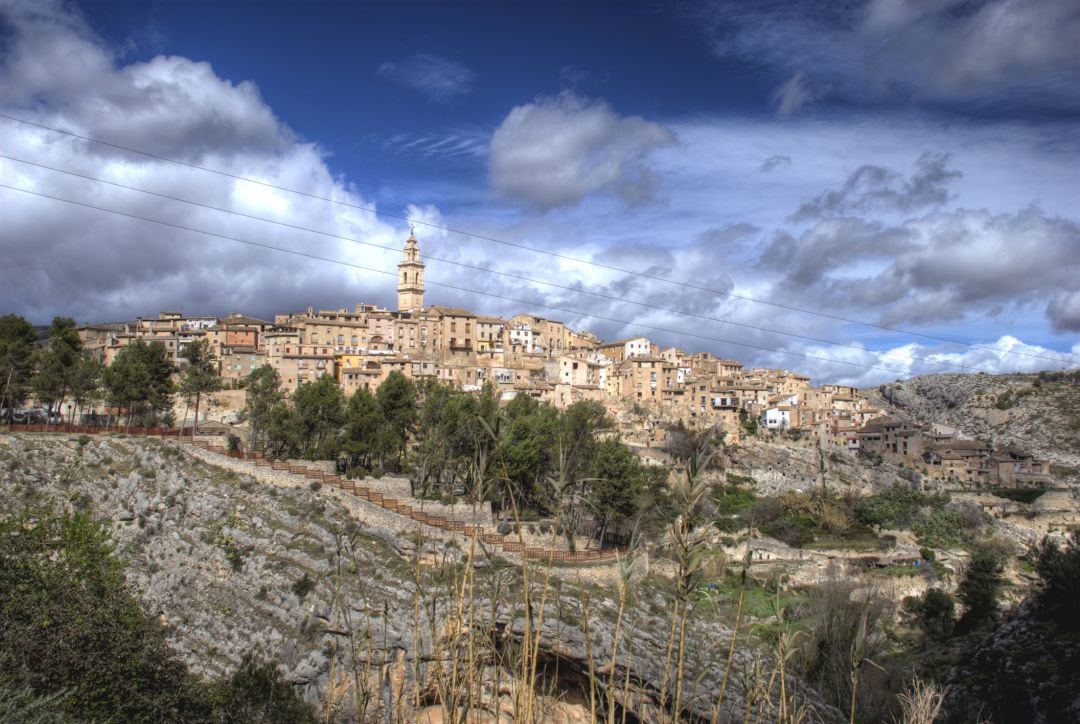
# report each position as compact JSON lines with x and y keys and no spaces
{"x":555,"y":364}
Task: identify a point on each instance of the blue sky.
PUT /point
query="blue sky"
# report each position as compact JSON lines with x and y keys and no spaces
{"x":908,"y":164}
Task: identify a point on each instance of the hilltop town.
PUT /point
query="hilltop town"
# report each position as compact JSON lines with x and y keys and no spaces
{"x":643,"y":386}
{"x":610,"y":469}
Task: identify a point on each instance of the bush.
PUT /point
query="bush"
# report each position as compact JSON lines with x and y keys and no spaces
{"x":68,"y":622}
{"x":980,"y":587}
{"x":1060,"y":571}
{"x":357,"y":471}
{"x":1019,"y":495}
{"x":303,"y":586}
{"x":730,"y":506}
{"x":936,"y":613}
{"x":896,"y":507}
{"x":840,"y":622}
{"x":257,"y":693}
{"x":938,"y":528}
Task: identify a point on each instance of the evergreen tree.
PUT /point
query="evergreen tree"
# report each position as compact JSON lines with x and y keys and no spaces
{"x":85,"y":382}
{"x":17,"y":339}
{"x":397,"y":403}
{"x":526,"y":454}
{"x":361,"y":437}
{"x":435,"y":415}
{"x":200,"y":377}
{"x":140,"y":380}
{"x":936,"y":613}
{"x":283,"y":433}
{"x":262,"y":392}
{"x":980,"y":587}
{"x":319,"y":409}
{"x":617,"y":484}
{"x":58,"y":363}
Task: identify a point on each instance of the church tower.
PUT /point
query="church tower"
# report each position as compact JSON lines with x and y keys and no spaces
{"x":410,"y":288}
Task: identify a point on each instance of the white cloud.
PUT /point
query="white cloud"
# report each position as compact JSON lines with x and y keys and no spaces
{"x":440,"y":79}
{"x":963,"y":47}
{"x":873,"y":188}
{"x":556,"y":151}
{"x":60,"y":259}
{"x":1004,"y":355}
{"x":457,"y":144}
{"x":794,"y":94}
{"x":988,"y":56}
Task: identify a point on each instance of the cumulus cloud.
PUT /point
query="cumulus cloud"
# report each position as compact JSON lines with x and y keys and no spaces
{"x":440,"y":79}
{"x":873,"y":188}
{"x":1063,"y":311}
{"x":556,"y":151}
{"x":60,"y":259}
{"x":1005,"y":354}
{"x":942,"y":266}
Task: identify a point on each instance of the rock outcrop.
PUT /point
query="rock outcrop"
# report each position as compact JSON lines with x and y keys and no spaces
{"x":362,"y":616}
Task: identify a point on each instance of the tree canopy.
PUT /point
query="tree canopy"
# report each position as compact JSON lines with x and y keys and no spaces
{"x":200,"y":376}
{"x":139,"y":381}
{"x":17,"y":337}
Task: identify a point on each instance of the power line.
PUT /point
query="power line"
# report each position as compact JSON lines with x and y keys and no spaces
{"x":474,"y":267}
{"x":525,"y":247}
{"x":525,"y":302}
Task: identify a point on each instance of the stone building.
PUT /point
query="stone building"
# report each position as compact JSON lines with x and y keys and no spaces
{"x":410,"y":288}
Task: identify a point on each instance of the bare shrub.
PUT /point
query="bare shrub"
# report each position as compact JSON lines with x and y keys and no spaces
{"x":841,"y":651}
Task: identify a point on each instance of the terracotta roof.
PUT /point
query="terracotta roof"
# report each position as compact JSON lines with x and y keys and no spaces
{"x":450,"y":311}
{"x":242,"y":319}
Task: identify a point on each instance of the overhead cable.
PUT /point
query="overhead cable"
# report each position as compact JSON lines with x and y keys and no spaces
{"x":525,"y":247}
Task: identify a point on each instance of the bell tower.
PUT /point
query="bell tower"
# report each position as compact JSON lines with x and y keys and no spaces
{"x":410,"y":288}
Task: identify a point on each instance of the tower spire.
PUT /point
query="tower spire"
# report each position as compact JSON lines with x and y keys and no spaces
{"x":410,"y":288}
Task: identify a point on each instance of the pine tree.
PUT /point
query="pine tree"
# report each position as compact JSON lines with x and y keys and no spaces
{"x":200,"y":377}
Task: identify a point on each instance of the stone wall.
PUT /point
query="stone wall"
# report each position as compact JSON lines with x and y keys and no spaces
{"x":401,"y":489}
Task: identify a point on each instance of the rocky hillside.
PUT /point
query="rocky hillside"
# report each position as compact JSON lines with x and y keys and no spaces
{"x":779,"y":463}
{"x":1038,"y":412}
{"x":356,"y":614}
